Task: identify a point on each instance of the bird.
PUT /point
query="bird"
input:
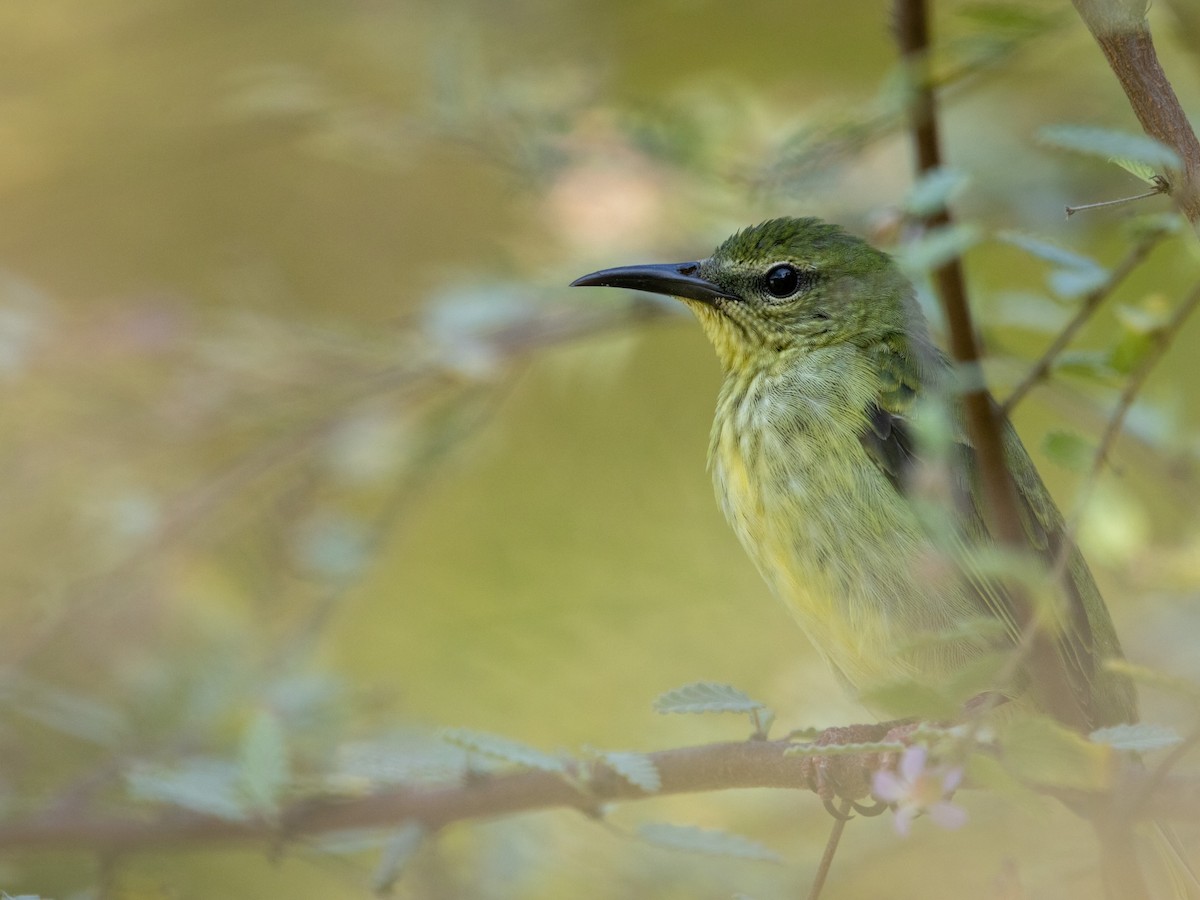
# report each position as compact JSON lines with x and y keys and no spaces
{"x":840,"y":457}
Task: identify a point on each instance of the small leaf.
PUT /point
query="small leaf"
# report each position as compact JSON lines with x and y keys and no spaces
{"x":636,"y":768}
{"x":1038,"y":749}
{"x":1051,"y":253}
{"x":503,"y":748}
{"x":844,"y":749}
{"x":1090,"y":363}
{"x":396,"y":855}
{"x":706,"y":697}
{"x":263,"y":769}
{"x":1140,"y":737}
{"x":1136,"y":168}
{"x":937,"y":247}
{"x":933,"y":191}
{"x":1111,"y":144}
{"x":1151,"y":678}
{"x":1071,"y":283}
{"x":709,"y":843}
{"x":207,"y":786}
{"x":1069,"y":450}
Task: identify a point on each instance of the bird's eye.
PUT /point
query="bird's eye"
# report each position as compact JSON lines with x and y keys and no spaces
{"x":783,"y":280}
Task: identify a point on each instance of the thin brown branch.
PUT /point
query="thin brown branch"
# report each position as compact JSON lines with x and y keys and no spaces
{"x":705,"y":768}
{"x":1087,"y":308}
{"x":980,"y":411}
{"x":912,"y":34}
{"x":831,"y":845}
{"x":710,"y":767}
{"x":1121,"y":30}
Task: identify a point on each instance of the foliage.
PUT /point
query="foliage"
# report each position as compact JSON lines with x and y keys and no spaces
{"x":322,"y":488}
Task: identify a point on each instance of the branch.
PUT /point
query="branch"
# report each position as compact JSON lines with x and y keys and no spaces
{"x":705,"y":768}
{"x":1121,"y":30}
{"x":1002,"y":511}
{"x":709,"y":767}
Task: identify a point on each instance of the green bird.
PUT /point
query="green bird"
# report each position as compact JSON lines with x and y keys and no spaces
{"x":819,"y":465}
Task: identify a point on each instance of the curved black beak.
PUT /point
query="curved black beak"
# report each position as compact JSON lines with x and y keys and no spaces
{"x":672,"y":279}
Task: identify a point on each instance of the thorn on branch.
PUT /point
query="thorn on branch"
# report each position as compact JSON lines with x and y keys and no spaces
{"x":1161,"y":186}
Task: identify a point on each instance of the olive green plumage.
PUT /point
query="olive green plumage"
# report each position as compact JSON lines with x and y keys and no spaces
{"x":876,"y":541}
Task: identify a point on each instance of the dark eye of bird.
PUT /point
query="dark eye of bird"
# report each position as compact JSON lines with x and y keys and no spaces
{"x":783,"y":280}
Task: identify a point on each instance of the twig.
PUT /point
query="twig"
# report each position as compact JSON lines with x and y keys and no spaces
{"x":831,"y":845}
{"x":1091,"y":302}
{"x":1120,"y":29}
{"x":1001,"y":509}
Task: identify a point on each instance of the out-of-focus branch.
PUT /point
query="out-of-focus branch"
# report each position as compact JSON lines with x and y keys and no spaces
{"x":912,"y":34}
{"x":979,"y":409}
{"x":1121,"y":30}
{"x":710,"y":767}
{"x":705,"y":768}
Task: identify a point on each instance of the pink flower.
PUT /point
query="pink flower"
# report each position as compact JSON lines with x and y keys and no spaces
{"x":916,"y":788}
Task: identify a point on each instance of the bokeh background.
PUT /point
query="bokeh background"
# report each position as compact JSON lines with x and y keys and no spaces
{"x":303,"y":430}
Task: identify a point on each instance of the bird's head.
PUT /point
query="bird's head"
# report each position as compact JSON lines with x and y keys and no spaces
{"x":783,"y":287}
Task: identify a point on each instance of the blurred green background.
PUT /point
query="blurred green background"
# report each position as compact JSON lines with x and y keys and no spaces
{"x":301,"y":421}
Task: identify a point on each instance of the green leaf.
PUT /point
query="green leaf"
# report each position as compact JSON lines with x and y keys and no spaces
{"x":207,"y":786}
{"x":709,"y":843}
{"x":933,"y":191}
{"x":636,"y":768}
{"x":706,"y":697}
{"x":1044,"y":250}
{"x":844,"y":749}
{"x":1136,"y":168}
{"x":1140,"y":737}
{"x":1093,"y":364}
{"x":1069,"y":450}
{"x":1039,"y":750}
{"x":1172,"y":684}
{"x":1109,"y":144}
{"x":937,"y":247}
{"x":1071,"y":283}
{"x":401,"y":848}
{"x":503,"y":748}
{"x":263,"y":768}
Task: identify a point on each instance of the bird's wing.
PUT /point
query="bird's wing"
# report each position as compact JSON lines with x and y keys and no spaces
{"x":1069,"y":679}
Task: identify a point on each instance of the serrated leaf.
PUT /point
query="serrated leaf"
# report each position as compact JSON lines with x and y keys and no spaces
{"x":504,"y":749}
{"x":399,"y":849}
{"x":1051,"y":253}
{"x":69,"y":713}
{"x":207,"y":786}
{"x":1093,"y":364}
{"x":1136,"y":168}
{"x":1152,"y":678}
{"x":1108,"y":144}
{"x":709,"y":843}
{"x":706,"y":697}
{"x":1149,"y":318}
{"x":933,"y":191}
{"x":937,"y":247}
{"x":1141,"y":737}
{"x":844,"y":749}
{"x":263,"y":767}
{"x":1039,"y":750}
{"x":636,"y":768}
{"x":1069,"y":450}
{"x":1071,"y":283}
